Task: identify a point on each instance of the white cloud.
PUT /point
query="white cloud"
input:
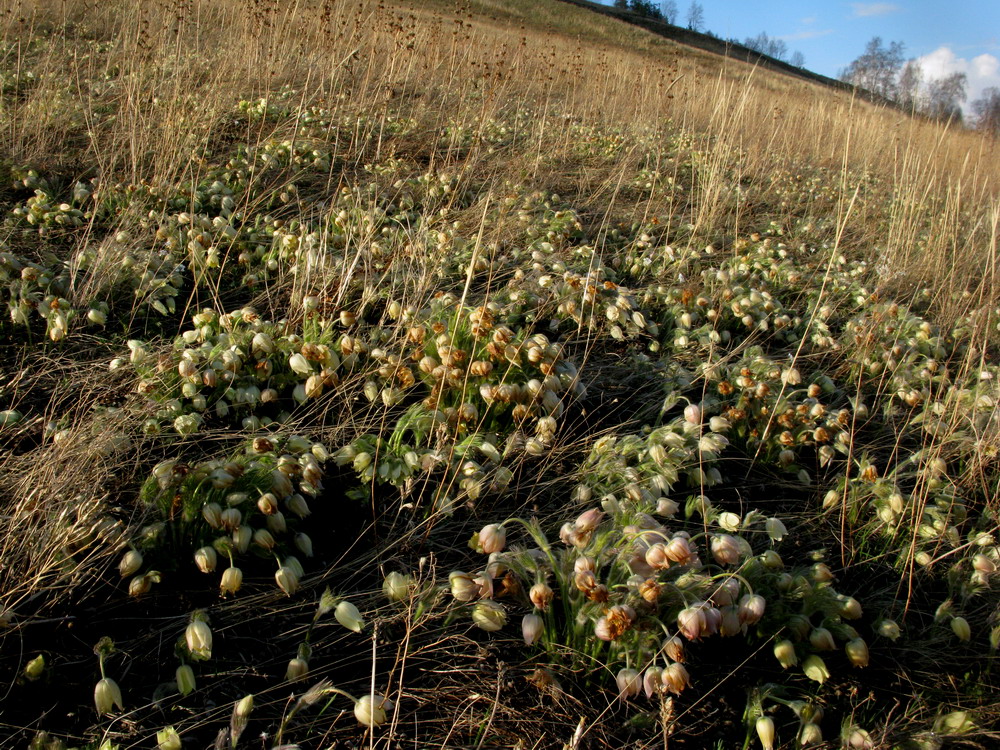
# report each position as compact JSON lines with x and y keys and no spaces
{"x":873,"y":9}
{"x":982,"y":71}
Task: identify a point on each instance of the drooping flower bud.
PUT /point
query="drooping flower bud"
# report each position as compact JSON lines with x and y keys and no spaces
{"x":719,"y":424}
{"x":463,"y":587}
{"x":185,"y":679}
{"x":212,"y":513}
{"x":262,"y":538}
{"x":650,"y":590}
{"x":242,"y":537}
{"x":232,"y":579}
{"x":810,"y":734}
{"x":267,"y":504}
{"x":541,"y":595}
{"x":130,"y":563}
{"x":34,"y":668}
{"x":821,"y":639}
{"x":303,"y":543}
{"x":396,"y":586}
{"x":300,"y":365}
{"x":679,"y":551}
{"x":349,"y":616}
{"x":629,"y":683}
{"x":692,"y":414}
{"x":775,"y":529}
{"x":888,"y":629}
{"x":713,"y":619}
{"x":287,"y":580}
{"x":297,"y":669}
{"x":371,"y":710}
{"x":673,"y":647}
{"x":243,"y":708}
{"x":140,"y":585}
{"x":821,"y":573}
{"x":860,"y":739}
{"x":298,"y":506}
{"x":198,"y":637}
{"x":276,"y":523}
{"x":281,"y":485}
{"x":652,"y":681}
{"x":752,"y":609}
{"x":960,"y":627}
{"x":589,"y":520}
{"x":206,"y":559}
{"x":492,"y":538}
{"x":815,"y":669}
{"x":772,"y":560}
{"x":675,"y":678}
{"x":489,"y":615}
{"x":107,"y":695}
{"x":725,"y":549}
{"x":765,"y":731}
{"x":168,"y":739}
{"x":656,"y":556}
{"x":726,"y":593}
{"x":850,"y":608}
{"x":691,"y":622}
{"x":532,"y":627}
{"x":729,"y":521}
{"x":857,"y":652}
{"x":784,"y":652}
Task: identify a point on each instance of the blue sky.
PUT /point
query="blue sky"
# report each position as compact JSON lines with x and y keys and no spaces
{"x":947,"y":36}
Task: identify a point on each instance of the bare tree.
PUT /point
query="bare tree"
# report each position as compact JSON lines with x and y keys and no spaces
{"x":696,"y":16}
{"x":797,"y":59}
{"x":909,"y":87}
{"x":668,"y":8}
{"x":986,"y":110}
{"x":767,"y":45}
{"x":877,"y":69}
{"x":945,"y":97}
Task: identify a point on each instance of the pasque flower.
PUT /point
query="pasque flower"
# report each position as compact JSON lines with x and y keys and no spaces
{"x":489,"y":615}
{"x":232,"y":579}
{"x":629,"y":683}
{"x":396,"y":586}
{"x":185,"y":679}
{"x":784,"y":652}
{"x":532,"y":627}
{"x":371,"y":710}
{"x":765,"y":731}
{"x":206,"y":559}
{"x":815,"y":669}
{"x":287,"y":580}
{"x":349,"y":616}
{"x":107,"y":694}
{"x":492,"y":538}
{"x":198,"y":638}
{"x":541,"y":595}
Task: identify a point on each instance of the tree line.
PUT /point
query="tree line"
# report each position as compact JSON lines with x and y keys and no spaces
{"x":882,"y":70}
{"x":695,"y":20}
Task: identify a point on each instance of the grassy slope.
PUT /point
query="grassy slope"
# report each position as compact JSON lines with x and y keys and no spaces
{"x":508,"y":153}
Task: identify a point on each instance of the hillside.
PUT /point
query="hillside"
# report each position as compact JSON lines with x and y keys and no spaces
{"x":478,"y":374}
